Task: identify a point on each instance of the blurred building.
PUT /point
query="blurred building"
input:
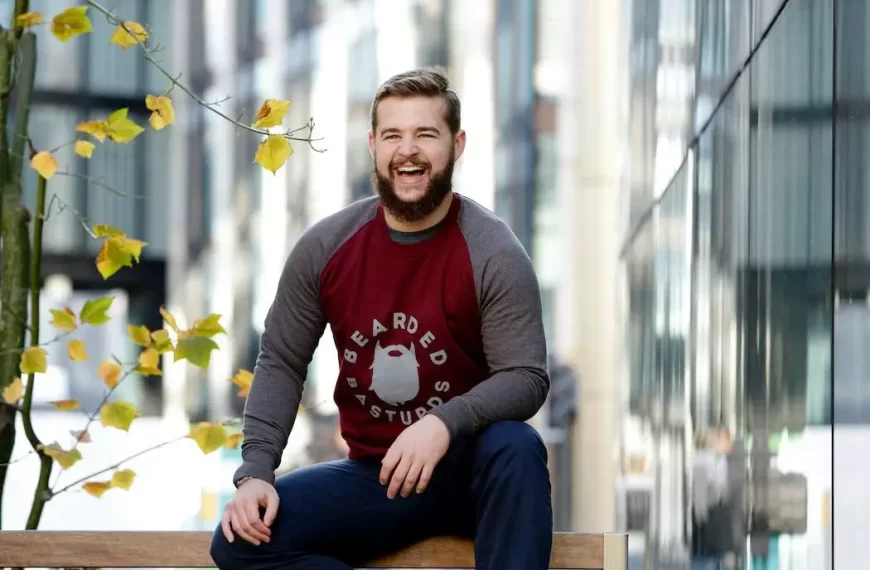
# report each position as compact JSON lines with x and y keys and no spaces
{"x":745,"y":281}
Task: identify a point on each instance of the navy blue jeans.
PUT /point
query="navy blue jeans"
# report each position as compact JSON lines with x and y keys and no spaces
{"x":493,"y":486}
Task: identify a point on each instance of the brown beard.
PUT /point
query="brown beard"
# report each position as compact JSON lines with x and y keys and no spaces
{"x":440,"y":184}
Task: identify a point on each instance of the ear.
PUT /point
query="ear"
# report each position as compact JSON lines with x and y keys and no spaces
{"x":459,"y":143}
{"x":372,"y":144}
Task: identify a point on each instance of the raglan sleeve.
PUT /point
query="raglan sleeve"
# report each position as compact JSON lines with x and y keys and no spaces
{"x":512,"y":332}
{"x":294,"y":325}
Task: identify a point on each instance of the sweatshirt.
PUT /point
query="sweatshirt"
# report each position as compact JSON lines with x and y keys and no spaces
{"x":445,"y":322}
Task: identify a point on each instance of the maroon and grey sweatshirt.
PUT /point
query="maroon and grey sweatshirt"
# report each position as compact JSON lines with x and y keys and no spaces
{"x":445,"y":322}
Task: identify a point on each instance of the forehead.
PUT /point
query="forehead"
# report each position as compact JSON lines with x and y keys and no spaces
{"x":410,"y":113}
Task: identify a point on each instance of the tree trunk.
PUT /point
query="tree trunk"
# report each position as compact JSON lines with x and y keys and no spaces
{"x":14,"y":222}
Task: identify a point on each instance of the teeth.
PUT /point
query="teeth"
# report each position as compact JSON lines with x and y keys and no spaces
{"x":410,"y":169}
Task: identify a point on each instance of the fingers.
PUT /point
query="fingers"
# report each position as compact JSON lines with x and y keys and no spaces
{"x":388,"y":464}
{"x":226,"y":526}
{"x":399,"y":476}
{"x":245,"y":521}
{"x":240,"y":525}
{"x":412,"y":476}
{"x":256,"y":527}
{"x":271,"y":509}
{"x":425,"y":477}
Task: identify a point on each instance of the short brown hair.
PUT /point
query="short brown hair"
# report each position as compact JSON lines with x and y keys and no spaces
{"x":426,"y":82}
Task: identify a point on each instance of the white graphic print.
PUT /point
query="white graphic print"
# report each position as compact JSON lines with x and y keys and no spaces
{"x":395,"y":379}
{"x":395,"y":370}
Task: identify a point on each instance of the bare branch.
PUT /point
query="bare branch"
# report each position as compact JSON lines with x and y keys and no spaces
{"x":116,"y":465}
{"x":17,"y":459}
{"x":114,"y":20}
{"x":91,"y":419}
{"x":98,"y":182}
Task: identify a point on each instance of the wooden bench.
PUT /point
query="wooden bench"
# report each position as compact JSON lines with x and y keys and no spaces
{"x":189,"y":549}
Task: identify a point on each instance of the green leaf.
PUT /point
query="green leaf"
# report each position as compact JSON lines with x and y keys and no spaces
{"x":94,"y":311}
{"x":196,"y":349}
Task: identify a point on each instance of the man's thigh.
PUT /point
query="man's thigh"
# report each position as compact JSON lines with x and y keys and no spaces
{"x":340,"y":509}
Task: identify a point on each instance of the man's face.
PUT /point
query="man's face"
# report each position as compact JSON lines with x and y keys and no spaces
{"x":414,"y":152}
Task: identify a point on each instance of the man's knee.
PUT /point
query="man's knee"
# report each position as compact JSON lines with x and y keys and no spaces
{"x":516,"y":442}
{"x":223,"y":553}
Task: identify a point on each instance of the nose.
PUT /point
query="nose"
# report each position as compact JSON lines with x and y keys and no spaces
{"x":408,"y":148}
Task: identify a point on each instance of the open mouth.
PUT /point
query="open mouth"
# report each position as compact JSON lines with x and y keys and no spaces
{"x":410,"y":174}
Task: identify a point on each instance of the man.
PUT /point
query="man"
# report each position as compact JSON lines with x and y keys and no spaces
{"x":435,"y":311}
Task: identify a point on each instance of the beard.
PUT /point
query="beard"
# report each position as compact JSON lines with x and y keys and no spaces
{"x":440,"y":184}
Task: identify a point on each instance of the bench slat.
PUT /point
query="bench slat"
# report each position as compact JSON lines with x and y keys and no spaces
{"x":189,"y":549}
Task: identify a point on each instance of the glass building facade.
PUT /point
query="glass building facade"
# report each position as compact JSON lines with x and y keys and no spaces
{"x":747,"y":311}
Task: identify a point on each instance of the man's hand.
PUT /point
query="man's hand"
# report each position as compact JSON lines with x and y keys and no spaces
{"x":243,"y":512}
{"x":414,"y":455}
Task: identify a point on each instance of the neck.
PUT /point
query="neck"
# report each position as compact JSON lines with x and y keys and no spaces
{"x":439,"y":214}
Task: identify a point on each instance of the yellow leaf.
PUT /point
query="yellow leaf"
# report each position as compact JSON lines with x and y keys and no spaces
{"x":76,"y":350}
{"x":94,"y":310}
{"x":128,"y":37}
{"x":28,"y":19}
{"x":65,"y":459}
{"x":81,"y":436}
{"x":110,"y":373}
{"x":243,"y":379}
{"x":208,"y":327}
{"x":121,"y":129}
{"x":96,"y":488}
{"x":170,"y":320}
{"x":123,"y":479}
{"x":71,"y":23}
{"x":97,"y":129}
{"x":13,"y":392}
{"x":271,"y":113}
{"x":44,"y":163}
{"x":233,"y":441}
{"x":162,"y":342}
{"x":139,"y":334}
{"x":273,"y":152}
{"x":33,"y":361}
{"x":195,"y":349}
{"x":119,"y":415}
{"x":118,"y":252}
{"x":64,"y":320}
{"x":162,"y":111}
{"x":208,"y":437}
{"x":105,"y":230}
{"x":149,"y":360}
{"x":65,"y":405}
{"x":84,"y":148}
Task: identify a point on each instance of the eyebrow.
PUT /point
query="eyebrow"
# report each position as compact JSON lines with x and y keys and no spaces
{"x":391,"y":130}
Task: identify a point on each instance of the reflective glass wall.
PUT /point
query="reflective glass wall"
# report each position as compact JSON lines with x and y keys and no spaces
{"x":747,"y":289}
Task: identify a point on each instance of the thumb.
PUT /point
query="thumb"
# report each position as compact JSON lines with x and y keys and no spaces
{"x":271,"y":508}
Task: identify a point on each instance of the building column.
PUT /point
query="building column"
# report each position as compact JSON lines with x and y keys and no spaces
{"x":591,"y":134}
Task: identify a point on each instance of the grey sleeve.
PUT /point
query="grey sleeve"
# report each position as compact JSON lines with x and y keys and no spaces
{"x":511,"y":326}
{"x":293,"y":328}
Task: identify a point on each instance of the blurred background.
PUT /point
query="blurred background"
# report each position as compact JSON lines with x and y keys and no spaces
{"x":690,"y":178}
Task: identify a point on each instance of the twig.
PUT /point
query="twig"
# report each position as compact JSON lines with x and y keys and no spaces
{"x":91,"y":418}
{"x":114,"y":20}
{"x":97,"y":182}
{"x":62,"y":205}
{"x":42,"y":345}
{"x":17,"y":459}
{"x":118,"y":464}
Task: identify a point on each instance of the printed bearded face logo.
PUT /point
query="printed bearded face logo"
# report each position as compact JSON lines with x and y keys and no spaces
{"x":395,"y":378}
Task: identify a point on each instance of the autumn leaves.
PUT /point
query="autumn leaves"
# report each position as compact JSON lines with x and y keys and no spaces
{"x":194,"y":344}
{"x":271,"y":153}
